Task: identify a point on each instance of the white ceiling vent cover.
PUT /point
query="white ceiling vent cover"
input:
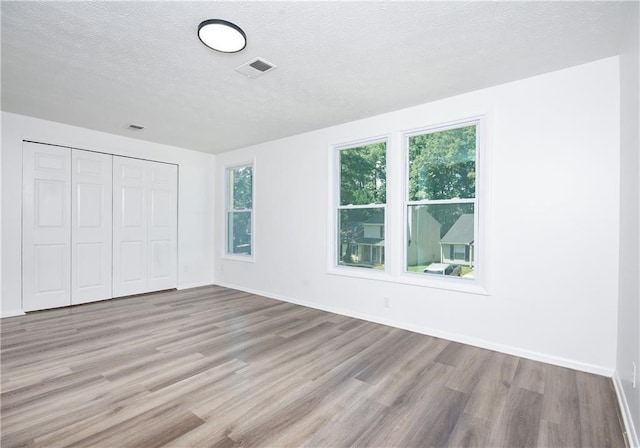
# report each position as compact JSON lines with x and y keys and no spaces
{"x":255,"y":68}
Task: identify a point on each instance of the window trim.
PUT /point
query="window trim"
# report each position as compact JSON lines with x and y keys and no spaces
{"x":334,"y":265}
{"x":227,"y":210}
{"x":478,"y":283}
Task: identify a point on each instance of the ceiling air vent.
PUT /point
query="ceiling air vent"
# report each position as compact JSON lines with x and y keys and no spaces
{"x":255,"y":67}
{"x":135,"y":127}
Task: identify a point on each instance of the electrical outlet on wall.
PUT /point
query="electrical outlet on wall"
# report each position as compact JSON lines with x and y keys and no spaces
{"x":385,"y":302}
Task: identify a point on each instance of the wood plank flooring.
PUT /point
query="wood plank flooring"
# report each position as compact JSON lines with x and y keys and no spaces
{"x":221,"y":368}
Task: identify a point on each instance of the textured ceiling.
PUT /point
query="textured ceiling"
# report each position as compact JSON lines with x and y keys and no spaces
{"x":103,"y":65}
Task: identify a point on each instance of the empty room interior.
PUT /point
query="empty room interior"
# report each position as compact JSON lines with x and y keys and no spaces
{"x":327,"y":224}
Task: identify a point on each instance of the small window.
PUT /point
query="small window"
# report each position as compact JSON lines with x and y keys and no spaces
{"x":459,"y":252}
{"x":441,"y":201}
{"x":361,"y":206}
{"x":240,"y":210}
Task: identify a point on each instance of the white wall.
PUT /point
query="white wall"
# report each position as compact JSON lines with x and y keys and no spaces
{"x":195,"y":196}
{"x":553,"y":144}
{"x":629,"y":294}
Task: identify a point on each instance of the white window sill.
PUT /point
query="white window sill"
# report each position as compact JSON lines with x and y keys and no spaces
{"x":242,"y":258}
{"x":415,"y":279}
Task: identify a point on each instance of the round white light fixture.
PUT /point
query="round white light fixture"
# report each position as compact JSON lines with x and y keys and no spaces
{"x":222,"y":36}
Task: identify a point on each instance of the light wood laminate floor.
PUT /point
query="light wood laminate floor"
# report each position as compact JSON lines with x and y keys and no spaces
{"x":217,"y":367}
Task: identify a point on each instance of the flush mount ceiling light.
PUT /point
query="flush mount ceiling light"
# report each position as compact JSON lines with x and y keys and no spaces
{"x":222,"y":36}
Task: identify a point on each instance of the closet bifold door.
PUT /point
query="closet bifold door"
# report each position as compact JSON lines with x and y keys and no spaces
{"x":46,"y":226}
{"x":129,"y":226}
{"x":162,"y":225}
{"x":90,"y":226}
{"x":144,"y":226}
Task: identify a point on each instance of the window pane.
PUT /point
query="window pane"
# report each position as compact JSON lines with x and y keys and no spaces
{"x":441,"y":239}
{"x":242,"y":188}
{"x":361,"y":241}
{"x":442,"y":165}
{"x":239,"y":237}
{"x":363,"y":175}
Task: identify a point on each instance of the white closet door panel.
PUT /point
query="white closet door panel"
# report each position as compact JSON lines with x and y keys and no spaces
{"x":91,"y":219}
{"x":50,"y":261}
{"x":129,"y":226}
{"x":89,"y":266}
{"x":46,"y":227}
{"x":50,"y":203}
{"x":134,"y":262}
{"x":162,"y":224}
{"x":133,"y":207}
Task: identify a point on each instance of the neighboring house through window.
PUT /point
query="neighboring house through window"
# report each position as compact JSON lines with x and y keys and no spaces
{"x":240,"y":210}
{"x":457,"y":244}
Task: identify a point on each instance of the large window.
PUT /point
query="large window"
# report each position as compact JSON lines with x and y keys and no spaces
{"x":361,"y":205}
{"x":441,"y":201}
{"x":240,"y":210}
{"x":409,"y":214}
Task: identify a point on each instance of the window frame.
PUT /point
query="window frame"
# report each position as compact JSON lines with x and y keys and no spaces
{"x":229,"y":210}
{"x":477,"y":283}
{"x":335,"y":266}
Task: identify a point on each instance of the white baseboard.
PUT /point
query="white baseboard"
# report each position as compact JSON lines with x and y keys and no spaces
{"x":14,"y":313}
{"x":509,"y":350}
{"x":11,"y":313}
{"x":632,"y":434}
{"x":194,"y":285}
